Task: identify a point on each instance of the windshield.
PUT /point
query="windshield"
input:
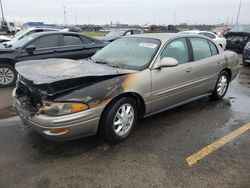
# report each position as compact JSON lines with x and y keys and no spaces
{"x":18,"y":35}
{"x":128,"y":53}
{"x":20,"y":43}
{"x":241,"y":28}
{"x":115,"y":33}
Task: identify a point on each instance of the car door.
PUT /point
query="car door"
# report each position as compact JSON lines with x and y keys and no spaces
{"x":206,"y":65}
{"x":76,"y":47}
{"x":172,"y":85}
{"x":46,"y":47}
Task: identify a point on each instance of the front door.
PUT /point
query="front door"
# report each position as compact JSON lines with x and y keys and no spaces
{"x":172,"y":85}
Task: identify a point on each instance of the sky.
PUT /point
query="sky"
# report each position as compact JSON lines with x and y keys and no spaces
{"x":127,"y":11}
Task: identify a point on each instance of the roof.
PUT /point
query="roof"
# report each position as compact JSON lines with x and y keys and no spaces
{"x":160,"y":36}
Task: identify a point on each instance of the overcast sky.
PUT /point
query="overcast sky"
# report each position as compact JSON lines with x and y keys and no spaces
{"x":128,"y":11}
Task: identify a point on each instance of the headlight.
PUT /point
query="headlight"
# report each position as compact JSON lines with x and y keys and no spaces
{"x":62,"y":108}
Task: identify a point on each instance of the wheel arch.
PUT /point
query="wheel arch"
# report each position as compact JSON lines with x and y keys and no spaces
{"x":136,"y":96}
{"x":8,"y":61}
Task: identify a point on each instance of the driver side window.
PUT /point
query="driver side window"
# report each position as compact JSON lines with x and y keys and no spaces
{"x":177,"y":49}
{"x":48,"y":41}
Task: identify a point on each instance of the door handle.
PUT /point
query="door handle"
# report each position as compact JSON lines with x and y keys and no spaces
{"x":189,"y":70}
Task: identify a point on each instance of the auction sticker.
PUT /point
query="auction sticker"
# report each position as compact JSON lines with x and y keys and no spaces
{"x":148,"y":45}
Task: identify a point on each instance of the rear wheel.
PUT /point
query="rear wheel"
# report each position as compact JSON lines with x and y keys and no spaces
{"x":119,"y":119}
{"x":8,"y":75}
{"x":221,"y":86}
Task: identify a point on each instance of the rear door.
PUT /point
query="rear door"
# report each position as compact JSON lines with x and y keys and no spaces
{"x":46,"y":47}
{"x":206,"y":65}
{"x":76,"y":47}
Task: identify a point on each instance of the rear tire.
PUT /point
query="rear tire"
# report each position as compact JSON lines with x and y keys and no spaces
{"x":8,"y":75}
{"x":221,"y":86}
{"x":118,"y":120}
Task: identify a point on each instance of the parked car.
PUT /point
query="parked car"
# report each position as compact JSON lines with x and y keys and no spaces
{"x":26,"y":32}
{"x":118,"y":33}
{"x":220,"y":40}
{"x":246,"y":55}
{"x":238,"y":37}
{"x":132,"y":77}
{"x":45,"y":45}
{"x":221,"y":31}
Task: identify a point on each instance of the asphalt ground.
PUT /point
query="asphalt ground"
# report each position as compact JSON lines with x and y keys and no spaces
{"x":213,"y":135}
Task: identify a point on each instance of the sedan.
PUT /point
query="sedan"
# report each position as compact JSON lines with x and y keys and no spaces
{"x":131,"y":78}
{"x":44,"y":45}
{"x":218,"y":39}
{"x":118,"y":33}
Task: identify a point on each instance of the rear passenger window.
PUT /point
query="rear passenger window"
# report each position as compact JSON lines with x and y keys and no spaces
{"x":70,"y":40}
{"x":178,"y":50}
{"x":213,"y":48}
{"x":201,"y":48}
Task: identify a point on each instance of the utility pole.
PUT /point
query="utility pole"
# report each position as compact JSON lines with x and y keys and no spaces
{"x":237,"y":20}
{"x":64,"y":12}
{"x":2,"y":11}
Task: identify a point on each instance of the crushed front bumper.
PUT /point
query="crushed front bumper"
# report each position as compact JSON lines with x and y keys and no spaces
{"x":78,"y":125}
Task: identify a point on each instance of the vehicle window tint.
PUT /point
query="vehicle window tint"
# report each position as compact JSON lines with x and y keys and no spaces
{"x":48,"y":41}
{"x":209,"y":35}
{"x":201,"y":48}
{"x":177,"y":49}
{"x":136,"y":32}
{"x":213,"y":48}
{"x":70,"y":40}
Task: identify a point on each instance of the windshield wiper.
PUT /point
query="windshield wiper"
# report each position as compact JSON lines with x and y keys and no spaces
{"x":105,"y":63}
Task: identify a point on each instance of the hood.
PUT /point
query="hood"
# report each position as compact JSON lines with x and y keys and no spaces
{"x":107,"y":38}
{"x":230,"y":33}
{"x":58,"y":70}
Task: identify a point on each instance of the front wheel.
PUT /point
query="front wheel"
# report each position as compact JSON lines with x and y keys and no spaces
{"x":119,"y":119}
{"x":8,"y":75}
{"x":221,"y":86}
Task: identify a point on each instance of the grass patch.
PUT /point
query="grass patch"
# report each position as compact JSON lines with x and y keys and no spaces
{"x":94,"y":33}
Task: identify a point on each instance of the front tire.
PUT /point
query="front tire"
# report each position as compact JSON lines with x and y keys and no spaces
{"x":119,"y":119}
{"x":221,"y":86}
{"x":8,"y":75}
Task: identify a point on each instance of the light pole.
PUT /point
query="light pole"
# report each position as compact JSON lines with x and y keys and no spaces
{"x":75,"y":18}
{"x":2,"y":11}
{"x":237,"y":20}
{"x":64,"y":12}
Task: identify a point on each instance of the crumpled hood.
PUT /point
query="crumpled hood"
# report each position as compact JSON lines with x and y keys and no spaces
{"x":54,"y":70}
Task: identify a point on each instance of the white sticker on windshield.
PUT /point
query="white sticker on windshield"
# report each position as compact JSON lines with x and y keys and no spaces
{"x":148,"y":45}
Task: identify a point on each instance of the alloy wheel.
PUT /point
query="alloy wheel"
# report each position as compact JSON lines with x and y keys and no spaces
{"x":222,"y":85}
{"x":124,"y":119}
{"x":6,"y":76}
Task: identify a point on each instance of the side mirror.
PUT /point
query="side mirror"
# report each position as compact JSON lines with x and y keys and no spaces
{"x":168,"y":62}
{"x":30,"y":48}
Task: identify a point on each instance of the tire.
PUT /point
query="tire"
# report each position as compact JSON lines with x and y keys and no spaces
{"x":221,"y":86}
{"x":107,"y":127}
{"x":8,"y":75}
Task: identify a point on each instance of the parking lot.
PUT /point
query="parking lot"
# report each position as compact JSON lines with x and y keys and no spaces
{"x":155,"y":155}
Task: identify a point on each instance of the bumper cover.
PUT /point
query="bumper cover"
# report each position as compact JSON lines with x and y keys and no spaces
{"x":79,"y":124}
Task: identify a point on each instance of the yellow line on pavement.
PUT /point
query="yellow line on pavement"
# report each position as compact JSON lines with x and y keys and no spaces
{"x":191,"y":160}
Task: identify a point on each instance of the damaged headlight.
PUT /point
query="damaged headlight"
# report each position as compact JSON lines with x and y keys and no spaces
{"x":60,"y":108}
